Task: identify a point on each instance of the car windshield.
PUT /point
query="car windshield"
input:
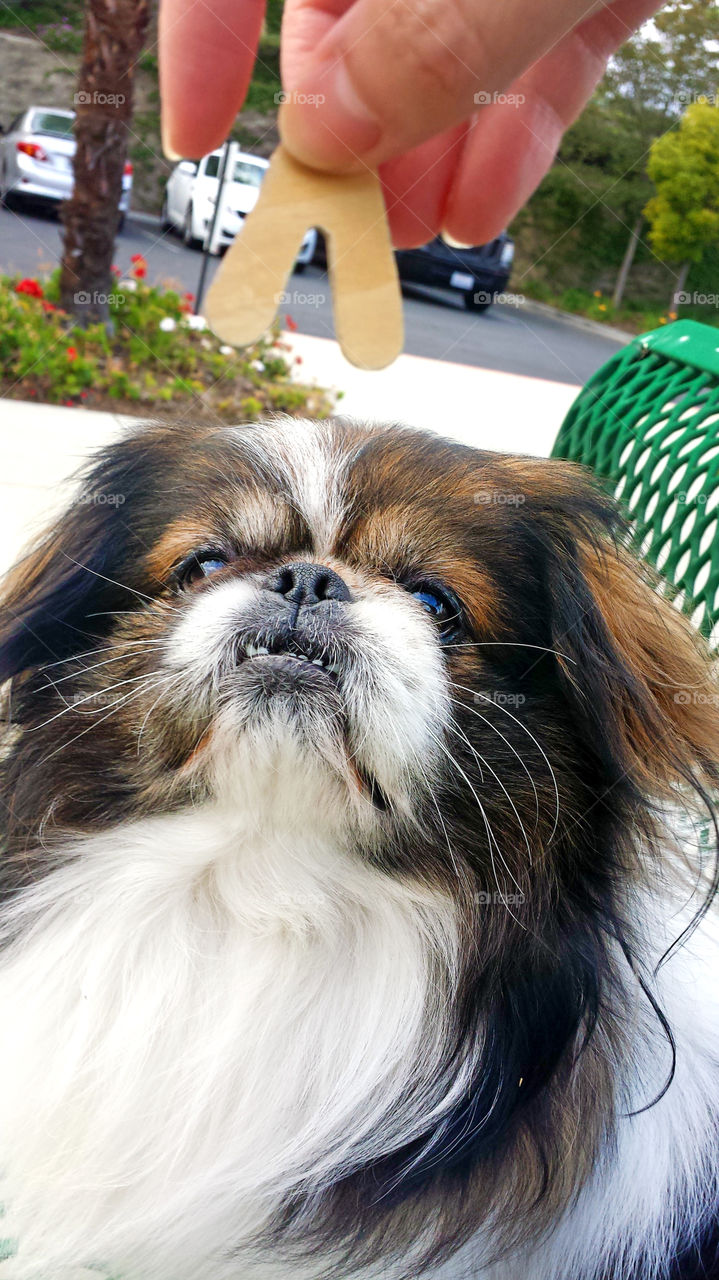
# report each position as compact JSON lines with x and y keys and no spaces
{"x":51,"y":123}
{"x":250,"y":175}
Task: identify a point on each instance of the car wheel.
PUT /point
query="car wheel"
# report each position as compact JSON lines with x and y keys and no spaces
{"x":188,"y":236}
{"x":477,"y":302}
{"x":165,"y":224}
{"x":121,"y":221}
{"x":299,"y":268}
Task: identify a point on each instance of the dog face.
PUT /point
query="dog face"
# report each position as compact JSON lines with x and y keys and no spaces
{"x":439,"y":659}
{"x":387,"y":610}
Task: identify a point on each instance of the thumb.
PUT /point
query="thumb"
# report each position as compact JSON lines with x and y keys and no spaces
{"x":369,"y":80}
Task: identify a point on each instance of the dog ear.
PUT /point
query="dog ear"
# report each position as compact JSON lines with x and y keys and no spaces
{"x":59,"y":597}
{"x":638,"y":675}
{"x":50,"y":595}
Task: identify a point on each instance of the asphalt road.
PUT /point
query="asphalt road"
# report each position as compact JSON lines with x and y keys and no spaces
{"x":509,"y":337}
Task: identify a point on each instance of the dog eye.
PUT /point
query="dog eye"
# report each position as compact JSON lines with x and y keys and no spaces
{"x":199,"y":565}
{"x":442,"y":607}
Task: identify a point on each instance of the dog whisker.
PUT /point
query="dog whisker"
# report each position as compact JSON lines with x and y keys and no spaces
{"x":540,"y":748}
{"x":120,"y":657}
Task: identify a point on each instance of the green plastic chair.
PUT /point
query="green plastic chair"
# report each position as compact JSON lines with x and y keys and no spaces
{"x":648,"y":424}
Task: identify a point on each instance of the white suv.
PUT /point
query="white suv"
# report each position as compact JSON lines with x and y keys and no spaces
{"x":191,"y":195}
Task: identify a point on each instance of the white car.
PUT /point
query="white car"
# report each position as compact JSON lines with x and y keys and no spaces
{"x":191,"y":196}
{"x":36,"y":154}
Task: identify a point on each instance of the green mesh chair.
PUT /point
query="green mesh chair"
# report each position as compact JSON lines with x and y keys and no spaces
{"x":648,"y":424}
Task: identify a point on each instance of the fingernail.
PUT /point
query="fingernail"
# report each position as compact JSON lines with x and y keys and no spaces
{"x":450,"y":240}
{"x":329,"y":125}
{"x":167,"y":147}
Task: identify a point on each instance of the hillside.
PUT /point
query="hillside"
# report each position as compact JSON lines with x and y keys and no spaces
{"x":41,"y":66}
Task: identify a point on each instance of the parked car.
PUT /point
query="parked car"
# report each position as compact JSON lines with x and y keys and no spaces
{"x":191,"y":196}
{"x":36,"y":154}
{"x":479,"y":273}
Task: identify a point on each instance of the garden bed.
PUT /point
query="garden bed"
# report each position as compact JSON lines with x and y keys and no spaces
{"x":160,"y":359}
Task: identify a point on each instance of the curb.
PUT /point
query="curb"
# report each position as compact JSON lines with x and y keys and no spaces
{"x":145,"y":219}
{"x":580,"y":322}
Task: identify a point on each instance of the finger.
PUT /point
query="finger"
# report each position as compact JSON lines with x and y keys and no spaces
{"x":416,"y":186}
{"x":207,"y":54}
{"x":487,"y":191}
{"x":376,"y":79}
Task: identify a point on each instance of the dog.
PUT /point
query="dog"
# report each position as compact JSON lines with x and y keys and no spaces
{"x":358,"y":873}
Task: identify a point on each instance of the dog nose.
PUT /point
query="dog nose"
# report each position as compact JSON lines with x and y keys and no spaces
{"x":303,"y":583}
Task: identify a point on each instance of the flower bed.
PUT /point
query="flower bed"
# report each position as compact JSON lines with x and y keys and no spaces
{"x":160,"y":361}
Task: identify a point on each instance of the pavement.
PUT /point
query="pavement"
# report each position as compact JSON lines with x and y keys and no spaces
{"x":42,"y":445}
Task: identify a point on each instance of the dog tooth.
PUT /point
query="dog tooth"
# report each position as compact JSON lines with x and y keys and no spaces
{"x":317,"y":662}
{"x":261,"y":649}
{"x":250,"y":650}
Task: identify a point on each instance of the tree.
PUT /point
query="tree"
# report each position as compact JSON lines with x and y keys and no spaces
{"x":115,"y":33}
{"x":666,"y":65}
{"x":684,"y":167}
{"x":590,"y":207}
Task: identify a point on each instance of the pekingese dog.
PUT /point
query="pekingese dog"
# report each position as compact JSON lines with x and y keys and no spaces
{"x":358,"y":802}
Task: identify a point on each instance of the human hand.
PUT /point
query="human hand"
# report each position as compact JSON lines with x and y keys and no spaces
{"x":460,"y":103}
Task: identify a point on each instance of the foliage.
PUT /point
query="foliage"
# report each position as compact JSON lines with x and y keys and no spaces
{"x":29,"y":15}
{"x":575,"y":229}
{"x":161,"y":358}
{"x":265,"y":85}
{"x":273,"y":16}
{"x":684,"y":167}
{"x":597,"y":306}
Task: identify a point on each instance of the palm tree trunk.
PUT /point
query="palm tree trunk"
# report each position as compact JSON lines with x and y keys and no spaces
{"x":115,"y":33}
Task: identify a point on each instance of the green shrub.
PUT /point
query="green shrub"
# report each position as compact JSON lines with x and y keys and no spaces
{"x":158,"y":358}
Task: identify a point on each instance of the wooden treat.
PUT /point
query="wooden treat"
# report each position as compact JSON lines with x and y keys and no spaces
{"x":349,"y":209}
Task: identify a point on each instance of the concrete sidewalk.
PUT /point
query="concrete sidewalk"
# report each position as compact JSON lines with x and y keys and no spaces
{"x":41,"y":445}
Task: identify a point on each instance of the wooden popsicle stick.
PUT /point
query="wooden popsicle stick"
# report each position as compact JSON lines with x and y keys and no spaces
{"x":349,"y":209}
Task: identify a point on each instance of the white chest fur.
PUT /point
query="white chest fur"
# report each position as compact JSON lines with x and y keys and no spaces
{"x":197,"y":1021}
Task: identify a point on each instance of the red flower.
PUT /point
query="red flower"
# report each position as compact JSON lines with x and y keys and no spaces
{"x":139,"y":266}
{"x":30,"y":287}
{"x":71,"y":353}
{"x":291,"y":324}
{"x":116,"y":271}
{"x":48,"y":306}
{"x":298,"y":359}
{"x":70,"y":404}
{"x":189,"y":297}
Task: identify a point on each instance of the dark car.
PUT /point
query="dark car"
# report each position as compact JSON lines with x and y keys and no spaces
{"x":479,"y":273}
